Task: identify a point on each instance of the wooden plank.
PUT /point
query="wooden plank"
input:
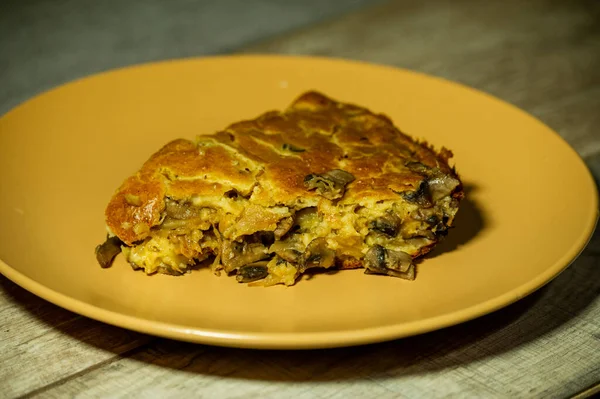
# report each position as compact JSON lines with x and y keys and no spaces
{"x":42,"y":343}
{"x":171,"y":370}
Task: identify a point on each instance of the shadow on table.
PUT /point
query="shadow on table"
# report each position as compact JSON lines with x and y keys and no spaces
{"x":491,"y":335}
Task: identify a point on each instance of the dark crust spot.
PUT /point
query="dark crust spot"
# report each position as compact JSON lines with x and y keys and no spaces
{"x":418,"y":167}
{"x":292,"y":148}
{"x":347,"y":262}
{"x":231,"y":194}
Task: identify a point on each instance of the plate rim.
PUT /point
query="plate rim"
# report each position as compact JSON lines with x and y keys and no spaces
{"x":309,"y":340}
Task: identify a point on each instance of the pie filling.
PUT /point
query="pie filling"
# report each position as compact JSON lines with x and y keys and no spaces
{"x":320,"y":185}
{"x":275,"y":245}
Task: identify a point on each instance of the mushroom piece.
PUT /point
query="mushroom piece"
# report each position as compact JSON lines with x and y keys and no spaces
{"x":388,"y":224}
{"x":292,"y":148}
{"x":235,"y":254}
{"x":289,"y":255}
{"x":288,"y":250}
{"x":283,"y":226}
{"x":317,"y":254}
{"x":180,"y":210}
{"x":442,"y":186}
{"x":106,"y":252}
{"x":420,"y":196}
{"x":380,"y":260}
{"x":266,"y":238}
{"x":252,"y":272}
{"x":330,"y":185}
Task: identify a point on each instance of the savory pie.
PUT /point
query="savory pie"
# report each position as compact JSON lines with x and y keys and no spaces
{"x":321,"y":185}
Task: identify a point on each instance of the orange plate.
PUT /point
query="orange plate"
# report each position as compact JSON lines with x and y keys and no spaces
{"x":531,"y":207}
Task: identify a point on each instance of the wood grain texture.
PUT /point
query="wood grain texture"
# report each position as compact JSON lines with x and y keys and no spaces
{"x":543,"y":56}
{"x":42,"y":343}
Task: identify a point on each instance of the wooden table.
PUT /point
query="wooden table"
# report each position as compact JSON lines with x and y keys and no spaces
{"x":542,"y":55}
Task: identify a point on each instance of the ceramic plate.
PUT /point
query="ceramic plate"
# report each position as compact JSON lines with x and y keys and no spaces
{"x":530,"y":209}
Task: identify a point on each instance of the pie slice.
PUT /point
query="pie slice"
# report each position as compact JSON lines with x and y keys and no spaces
{"x":320,"y":185}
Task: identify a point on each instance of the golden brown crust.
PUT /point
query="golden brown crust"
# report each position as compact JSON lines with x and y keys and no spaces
{"x":266,"y":160}
{"x":123,"y":216}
